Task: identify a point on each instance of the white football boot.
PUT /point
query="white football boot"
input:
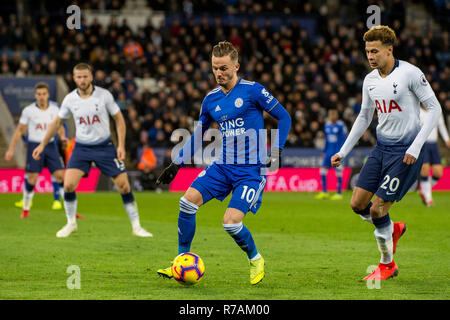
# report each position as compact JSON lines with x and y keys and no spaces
{"x":67,"y":230}
{"x":141,"y":232}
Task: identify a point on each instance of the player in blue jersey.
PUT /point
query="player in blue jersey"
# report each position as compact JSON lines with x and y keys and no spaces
{"x":335,"y":134}
{"x":237,"y":105}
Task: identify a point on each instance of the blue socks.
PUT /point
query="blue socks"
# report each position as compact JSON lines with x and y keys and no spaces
{"x":186,"y":225}
{"x":242,"y":237}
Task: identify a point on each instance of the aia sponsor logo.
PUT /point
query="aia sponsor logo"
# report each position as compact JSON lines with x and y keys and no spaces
{"x":41,"y":126}
{"x":89,"y":120}
{"x":384,"y":107}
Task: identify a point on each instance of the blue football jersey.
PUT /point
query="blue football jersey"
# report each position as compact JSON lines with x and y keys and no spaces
{"x":239,"y":114}
{"x":335,"y":135}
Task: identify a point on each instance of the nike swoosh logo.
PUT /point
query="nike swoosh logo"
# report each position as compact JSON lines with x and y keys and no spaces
{"x":390,"y":193}
{"x":370,"y":89}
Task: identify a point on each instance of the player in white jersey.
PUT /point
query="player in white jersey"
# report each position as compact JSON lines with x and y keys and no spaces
{"x":431,"y":159}
{"x":91,"y":107}
{"x":34,"y":120}
{"x":395,"y":89}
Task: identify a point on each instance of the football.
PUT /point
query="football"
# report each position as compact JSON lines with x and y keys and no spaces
{"x":188,"y":268}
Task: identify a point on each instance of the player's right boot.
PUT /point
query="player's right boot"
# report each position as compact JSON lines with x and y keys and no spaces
{"x":399,"y":230}
{"x":67,"y":230}
{"x":24,"y":214}
{"x":383,"y":272}
{"x":256,"y":270}
{"x":165,"y":273}
{"x":141,"y":232}
{"x":78,"y":216}
{"x":56,"y":205}
{"x":322,"y":196}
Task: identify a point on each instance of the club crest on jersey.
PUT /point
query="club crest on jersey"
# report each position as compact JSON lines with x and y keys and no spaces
{"x":238,"y":102}
{"x":89,"y":120}
{"x":395,"y":87}
{"x":393,"y":105}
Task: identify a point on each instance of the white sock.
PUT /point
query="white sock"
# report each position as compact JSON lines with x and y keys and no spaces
{"x":426,"y":187}
{"x":256,"y":257}
{"x":27,"y":198}
{"x":71,"y":210}
{"x":133,"y":213}
{"x":385,"y":243}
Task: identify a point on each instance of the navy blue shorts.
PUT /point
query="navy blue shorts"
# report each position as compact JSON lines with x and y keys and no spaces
{"x":104,"y":156}
{"x":385,"y":174}
{"x":244,"y":181}
{"x":50,"y":158}
{"x":326,"y":162}
{"x":431,"y":153}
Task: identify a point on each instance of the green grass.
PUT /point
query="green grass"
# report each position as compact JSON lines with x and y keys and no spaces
{"x":313,"y":250}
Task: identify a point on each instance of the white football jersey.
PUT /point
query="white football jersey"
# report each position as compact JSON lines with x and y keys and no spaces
{"x":91,"y":115}
{"x":433,"y":137}
{"x":397,"y":100}
{"x":38,"y":120}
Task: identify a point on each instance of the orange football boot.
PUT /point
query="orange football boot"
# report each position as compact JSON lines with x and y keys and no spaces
{"x":399,"y":230}
{"x":383,"y":272}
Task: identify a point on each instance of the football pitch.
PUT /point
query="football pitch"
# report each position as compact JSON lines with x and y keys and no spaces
{"x":313,"y":250}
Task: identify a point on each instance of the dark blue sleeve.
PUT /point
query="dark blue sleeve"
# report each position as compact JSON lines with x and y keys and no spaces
{"x":284,"y":124}
{"x":196,"y":140}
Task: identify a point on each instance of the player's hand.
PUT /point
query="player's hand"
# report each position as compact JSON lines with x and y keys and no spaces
{"x":38,"y":151}
{"x":447,"y":143}
{"x":409,"y":159}
{"x":336,"y":160}
{"x":274,"y":161}
{"x":168,"y":174}
{"x":121,"y":153}
{"x":64,"y":142}
{"x":9,"y":154}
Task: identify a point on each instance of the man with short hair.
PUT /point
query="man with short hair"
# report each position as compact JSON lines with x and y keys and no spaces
{"x":237,"y":105}
{"x":91,"y":107}
{"x":34,"y":120}
{"x":395,"y":89}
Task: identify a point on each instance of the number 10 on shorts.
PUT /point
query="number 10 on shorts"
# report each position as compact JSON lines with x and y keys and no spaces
{"x":248,"y":194}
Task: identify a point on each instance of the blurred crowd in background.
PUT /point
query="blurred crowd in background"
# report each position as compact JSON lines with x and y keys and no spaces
{"x":159,"y":76}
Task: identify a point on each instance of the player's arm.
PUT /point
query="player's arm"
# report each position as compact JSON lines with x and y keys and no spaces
{"x":121,"y":132}
{"x":443,"y":131}
{"x":360,"y":125}
{"x":188,"y":150}
{"x":284,"y":125}
{"x":423,"y":91}
{"x":51,"y":131}
{"x":18,"y":133}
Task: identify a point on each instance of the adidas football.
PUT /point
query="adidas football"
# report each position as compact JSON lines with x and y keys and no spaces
{"x":188,"y":268}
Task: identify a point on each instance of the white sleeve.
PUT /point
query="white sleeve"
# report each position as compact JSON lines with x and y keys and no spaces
{"x":110,"y":104}
{"x":24,"y":117}
{"x":431,"y":121}
{"x":361,"y":123}
{"x":419,"y":85}
{"x":64,"y":111}
{"x":443,"y":129}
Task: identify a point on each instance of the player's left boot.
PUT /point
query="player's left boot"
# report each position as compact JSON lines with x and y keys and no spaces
{"x":79,"y":216}
{"x":19,"y":204}
{"x":399,"y":230}
{"x":141,"y":232}
{"x":165,"y":273}
{"x":322,"y":196}
{"x":383,"y":272}
{"x":336,"y":196}
{"x":56,"y":205}
{"x":256,"y":270}
{"x":24,"y":214}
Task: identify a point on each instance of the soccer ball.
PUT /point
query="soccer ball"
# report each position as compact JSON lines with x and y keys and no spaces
{"x":188,"y":268}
